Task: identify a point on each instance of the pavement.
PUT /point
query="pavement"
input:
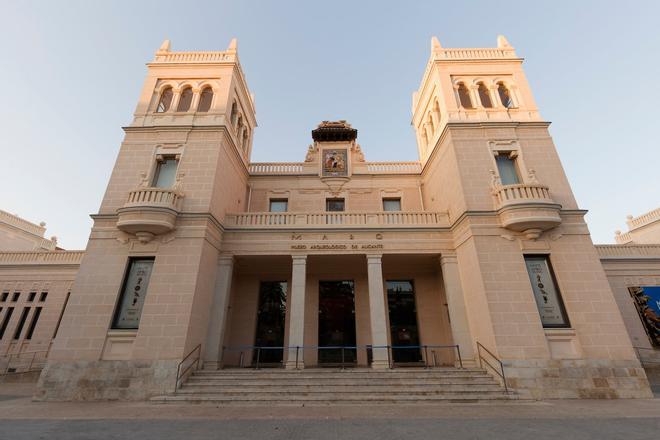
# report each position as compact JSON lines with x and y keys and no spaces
{"x":21,"y":418}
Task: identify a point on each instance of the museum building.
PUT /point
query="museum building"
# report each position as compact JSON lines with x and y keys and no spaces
{"x":200,"y":258}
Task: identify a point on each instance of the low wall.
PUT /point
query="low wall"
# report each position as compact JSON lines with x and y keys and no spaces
{"x":578,"y":379}
{"x":106,"y":380}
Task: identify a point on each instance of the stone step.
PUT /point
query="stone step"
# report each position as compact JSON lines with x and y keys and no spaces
{"x":200,"y":381}
{"x":319,"y":399}
{"x":293,"y":389}
{"x":253,"y":374}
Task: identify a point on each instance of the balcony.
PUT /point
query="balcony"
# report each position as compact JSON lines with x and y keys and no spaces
{"x":149,"y":212}
{"x":314,"y":220}
{"x":526,"y":208}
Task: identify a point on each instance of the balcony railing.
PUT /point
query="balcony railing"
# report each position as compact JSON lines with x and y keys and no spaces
{"x":644,"y":219}
{"x":506,"y":195}
{"x":277,"y":168}
{"x":399,"y":219}
{"x":393,"y":167}
{"x":155,"y":197}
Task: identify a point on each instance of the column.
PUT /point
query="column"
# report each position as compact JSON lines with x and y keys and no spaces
{"x":297,"y":311}
{"x":377,"y":312}
{"x":460,"y":327}
{"x":216,"y":330}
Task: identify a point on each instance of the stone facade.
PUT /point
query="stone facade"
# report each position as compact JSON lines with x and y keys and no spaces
{"x":460,"y":226}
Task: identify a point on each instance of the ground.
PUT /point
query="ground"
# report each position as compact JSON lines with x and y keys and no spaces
{"x":21,"y":418}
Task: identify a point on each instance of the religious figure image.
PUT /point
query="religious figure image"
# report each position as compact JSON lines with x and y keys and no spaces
{"x":334,"y":163}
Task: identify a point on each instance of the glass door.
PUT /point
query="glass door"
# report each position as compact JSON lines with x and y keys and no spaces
{"x":270,"y":322}
{"x":403,"y":322}
{"x":336,"y":322}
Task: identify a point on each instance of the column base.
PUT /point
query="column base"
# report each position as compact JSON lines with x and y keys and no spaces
{"x":380,"y":364}
{"x":291,"y":365}
{"x":211,"y":365}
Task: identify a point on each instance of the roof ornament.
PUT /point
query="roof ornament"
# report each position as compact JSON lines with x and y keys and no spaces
{"x":233,"y":45}
{"x":435,"y":44}
{"x":164,"y":48}
{"x":502,"y":42}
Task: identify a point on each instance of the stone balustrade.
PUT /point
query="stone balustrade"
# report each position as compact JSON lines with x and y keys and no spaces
{"x":644,"y":219}
{"x":393,"y":167}
{"x":521,"y":193}
{"x":383,"y":219}
{"x":476,"y":53}
{"x":628,"y":251}
{"x":155,"y":197}
{"x":38,"y":257}
{"x":22,"y":224}
{"x":149,"y":212}
{"x":527,"y":208}
{"x":277,"y":168}
{"x":193,"y":57}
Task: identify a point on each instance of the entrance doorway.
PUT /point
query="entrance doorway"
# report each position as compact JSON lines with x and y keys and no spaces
{"x":270,"y":322}
{"x":403,"y":322}
{"x":336,"y":322}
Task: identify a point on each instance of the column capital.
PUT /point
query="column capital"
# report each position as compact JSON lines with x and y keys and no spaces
{"x":299,"y":259}
{"x":374,"y":258}
{"x":448,"y":258}
{"x":225,"y":260}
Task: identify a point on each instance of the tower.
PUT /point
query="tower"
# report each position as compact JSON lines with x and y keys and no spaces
{"x":490,"y":163}
{"x":181,"y":166}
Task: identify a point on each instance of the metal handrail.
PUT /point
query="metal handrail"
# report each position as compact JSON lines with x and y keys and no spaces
{"x":298,"y":348}
{"x":9,"y":357}
{"x":180,"y":374}
{"x":500,"y":372}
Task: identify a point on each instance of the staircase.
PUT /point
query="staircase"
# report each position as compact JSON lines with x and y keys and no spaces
{"x":333,"y":386}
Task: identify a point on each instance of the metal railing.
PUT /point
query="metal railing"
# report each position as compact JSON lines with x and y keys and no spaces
{"x":19,"y":360}
{"x":343,"y":356}
{"x":180,"y":375}
{"x":483,"y":360}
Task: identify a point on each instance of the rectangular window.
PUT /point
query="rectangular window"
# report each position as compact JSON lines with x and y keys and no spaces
{"x":21,"y":323}
{"x":5,"y":321}
{"x":334,"y":205}
{"x":506,"y":167}
{"x":165,"y":175}
{"x":15,"y":296}
{"x":5,"y":295}
{"x":392,"y":204}
{"x":33,"y":323}
{"x":133,"y":293}
{"x":279,"y":205}
{"x":546,"y":292}
{"x":31,"y":296}
{"x":43,"y":296}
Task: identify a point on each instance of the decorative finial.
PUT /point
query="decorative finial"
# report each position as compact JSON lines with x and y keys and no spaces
{"x":617,"y":232}
{"x":435,"y":43}
{"x":42,"y":224}
{"x":502,"y":42}
{"x":233,"y":45}
{"x":164,"y":48}
{"x":53,"y":239}
{"x":629,"y":217}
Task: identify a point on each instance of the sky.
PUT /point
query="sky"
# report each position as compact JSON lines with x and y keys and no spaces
{"x":72,"y":72}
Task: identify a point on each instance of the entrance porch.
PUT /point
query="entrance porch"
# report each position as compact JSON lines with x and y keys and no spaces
{"x":338,"y":310}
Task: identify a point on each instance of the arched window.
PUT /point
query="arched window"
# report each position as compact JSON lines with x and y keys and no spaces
{"x":464,"y":96}
{"x":185,"y":100}
{"x":484,"y":96}
{"x":505,"y":95}
{"x":165,"y":100}
{"x":234,"y":113}
{"x":205,"y":100}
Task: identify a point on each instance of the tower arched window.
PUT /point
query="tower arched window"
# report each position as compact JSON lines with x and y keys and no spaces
{"x":165,"y":100}
{"x":505,"y":95}
{"x":185,"y":100}
{"x":484,"y":96}
{"x":464,"y":96}
{"x":205,"y":100}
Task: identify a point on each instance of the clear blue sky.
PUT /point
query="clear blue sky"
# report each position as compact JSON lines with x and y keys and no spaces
{"x":72,"y":71}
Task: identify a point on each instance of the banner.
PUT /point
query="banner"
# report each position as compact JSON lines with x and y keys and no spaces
{"x":546,"y":293}
{"x":133,"y":294}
